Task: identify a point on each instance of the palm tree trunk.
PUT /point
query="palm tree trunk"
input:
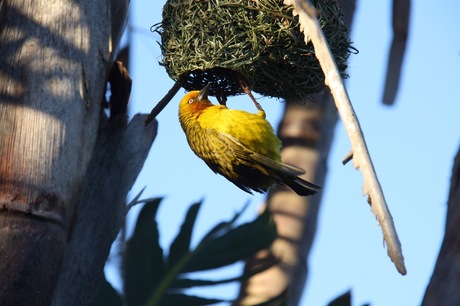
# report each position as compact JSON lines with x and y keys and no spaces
{"x":444,"y":285}
{"x":54,"y":62}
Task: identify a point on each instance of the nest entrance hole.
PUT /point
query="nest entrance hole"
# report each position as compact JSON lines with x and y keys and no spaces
{"x":223,"y":81}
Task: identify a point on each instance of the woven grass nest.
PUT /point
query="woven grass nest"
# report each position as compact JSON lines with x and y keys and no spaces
{"x":258,"y":41}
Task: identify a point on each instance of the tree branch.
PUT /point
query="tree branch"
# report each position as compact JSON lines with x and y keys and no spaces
{"x":401,"y":14}
{"x":361,"y":157}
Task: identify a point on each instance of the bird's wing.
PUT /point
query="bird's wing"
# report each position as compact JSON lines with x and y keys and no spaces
{"x":245,"y":167}
{"x":222,"y":156}
{"x":245,"y":155}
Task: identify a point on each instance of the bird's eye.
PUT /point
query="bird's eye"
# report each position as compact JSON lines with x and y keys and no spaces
{"x":191,"y":101}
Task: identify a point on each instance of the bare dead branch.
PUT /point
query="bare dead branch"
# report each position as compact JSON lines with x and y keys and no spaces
{"x":361,"y":157}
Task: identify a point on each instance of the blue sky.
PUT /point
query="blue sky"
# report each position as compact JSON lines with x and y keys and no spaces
{"x":412,"y":145}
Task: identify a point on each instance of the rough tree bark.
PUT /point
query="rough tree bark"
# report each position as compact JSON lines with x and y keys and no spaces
{"x":54,"y":61}
{"x":443,"y":288}
{"x":307,"y":132}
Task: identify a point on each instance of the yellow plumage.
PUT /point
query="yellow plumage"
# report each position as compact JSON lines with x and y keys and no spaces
{"x":238,"y":145}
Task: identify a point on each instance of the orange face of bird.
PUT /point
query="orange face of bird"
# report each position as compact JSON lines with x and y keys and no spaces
{"x":195,"y":101}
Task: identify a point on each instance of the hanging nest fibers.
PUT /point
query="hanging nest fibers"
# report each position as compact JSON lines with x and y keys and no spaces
{"x":258,"y":41}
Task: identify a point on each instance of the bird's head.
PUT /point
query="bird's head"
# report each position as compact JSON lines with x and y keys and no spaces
{"x":195,"y":101}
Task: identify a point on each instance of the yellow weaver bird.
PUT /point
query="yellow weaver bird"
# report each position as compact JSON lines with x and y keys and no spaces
{"x":238,"y":145}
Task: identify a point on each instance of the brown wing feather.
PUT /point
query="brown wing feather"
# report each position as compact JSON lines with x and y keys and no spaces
{"x":256,"y":171}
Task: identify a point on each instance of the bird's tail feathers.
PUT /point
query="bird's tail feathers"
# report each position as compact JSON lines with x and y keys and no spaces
{"x":290,"y":176}
{"x":279,"y":171}
{"x":303,"y":187}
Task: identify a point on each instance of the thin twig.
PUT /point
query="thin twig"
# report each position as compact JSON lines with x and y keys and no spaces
{"x":163,"y":102}
{"x":347,"y":158}
{"x":361,"y":157}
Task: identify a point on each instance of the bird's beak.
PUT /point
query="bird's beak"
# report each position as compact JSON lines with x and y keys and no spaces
{"x":204,"y":93}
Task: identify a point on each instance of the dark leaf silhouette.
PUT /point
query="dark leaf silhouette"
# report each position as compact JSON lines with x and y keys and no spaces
{"x":152,"y":279}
